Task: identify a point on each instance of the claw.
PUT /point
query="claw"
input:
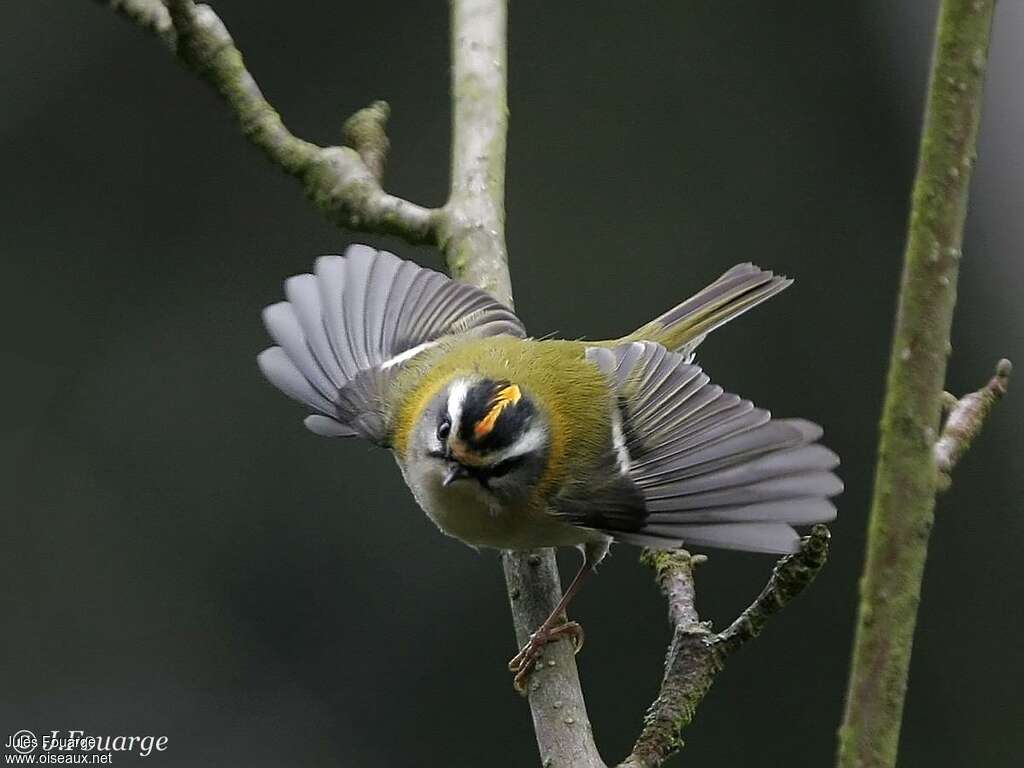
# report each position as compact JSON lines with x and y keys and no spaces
{"x":519,"y":681}
{"x":523,"y":662}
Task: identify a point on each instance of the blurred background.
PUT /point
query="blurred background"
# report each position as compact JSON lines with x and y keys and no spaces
{"x":179,"y":557}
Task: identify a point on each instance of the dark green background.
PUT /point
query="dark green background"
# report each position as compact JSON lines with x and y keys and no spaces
{"x":180,"y":557}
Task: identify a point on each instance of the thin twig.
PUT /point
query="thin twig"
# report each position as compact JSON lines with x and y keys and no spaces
{"x":337,"y":179}
{"x":790,"y":577}
{"x":151,"y":15}
{"x":965,"y":419}
{"x":697,"y":655}
{"x":691,"y":663}
{"x":906,"y":481}
{"x":364,"y":132}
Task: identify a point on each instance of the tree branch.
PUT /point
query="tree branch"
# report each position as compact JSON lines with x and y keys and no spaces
{"x":560,"y":721}
{"x":691,"y":662}
{"x":906,"y":479}
{"x":151,"y":15}
{"x":789,"y":578}
{"x":472,"y":236}
{"x":339,"y":180}
{"x":473,"y":231}
{"x":364,"y":132}
{"x":697,"y":655}
{"x":965,"y":419}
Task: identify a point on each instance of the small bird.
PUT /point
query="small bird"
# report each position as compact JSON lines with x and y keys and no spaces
{"x":515,"y":443}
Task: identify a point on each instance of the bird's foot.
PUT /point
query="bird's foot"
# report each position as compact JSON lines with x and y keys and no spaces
{"x":523,"y":662}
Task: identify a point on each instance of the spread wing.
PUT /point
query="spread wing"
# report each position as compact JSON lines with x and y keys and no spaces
{"x":347,"y":328}
{"x":713,"y":470}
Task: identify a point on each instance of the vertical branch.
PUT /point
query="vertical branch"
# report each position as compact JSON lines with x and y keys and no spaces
{"x":472,"y":236}
{"x":560,"y":722}
{"x":473,"y":232}
{"x":905,"y":483}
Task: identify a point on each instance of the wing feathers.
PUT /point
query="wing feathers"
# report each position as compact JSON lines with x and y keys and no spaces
{"x":713,"y":469}
{"x":330,"y":276}
{"x":283,"y":374}
{"x":792,"y":511}
{"x":304,"y":297}
{"x":739,"y":445}
{"x":679,"y":497}
{"x":283,"y":327}
{"x":393,"y":311}
{"x":356,"y":312}
{"x":327,"y":427}
{"x":358,"y":265}
{"x":808,"y":458}
{"x":770,"y":538}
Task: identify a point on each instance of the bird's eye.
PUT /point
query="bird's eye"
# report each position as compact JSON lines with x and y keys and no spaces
{"x":444,"y":429}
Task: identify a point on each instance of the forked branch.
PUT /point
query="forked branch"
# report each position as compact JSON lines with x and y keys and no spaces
{"x":697,"y":654}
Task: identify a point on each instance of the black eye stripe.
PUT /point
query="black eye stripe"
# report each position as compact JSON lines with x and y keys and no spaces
{"x":506,"y":466}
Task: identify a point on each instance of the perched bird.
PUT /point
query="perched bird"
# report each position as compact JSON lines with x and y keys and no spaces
{"x":516,"y":443}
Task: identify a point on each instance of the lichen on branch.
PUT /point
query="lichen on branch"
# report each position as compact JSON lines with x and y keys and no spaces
{"x":697,"y":654}
{"x":365,"y":133}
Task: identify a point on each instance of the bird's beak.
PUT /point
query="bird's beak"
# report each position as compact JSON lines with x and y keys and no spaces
{"x":455,"y":472}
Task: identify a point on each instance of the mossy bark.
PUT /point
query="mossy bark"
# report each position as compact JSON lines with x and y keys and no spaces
{"x":905,"y":483}
{"x":697,"y":654}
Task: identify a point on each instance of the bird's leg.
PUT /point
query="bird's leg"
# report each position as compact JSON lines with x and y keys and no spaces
{"x":555,"y":626}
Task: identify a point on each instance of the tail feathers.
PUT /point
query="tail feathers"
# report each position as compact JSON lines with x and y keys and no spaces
{"x":683,"y":327}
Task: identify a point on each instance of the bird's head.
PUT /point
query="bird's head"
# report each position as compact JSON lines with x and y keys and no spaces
{"x":489,"y":432}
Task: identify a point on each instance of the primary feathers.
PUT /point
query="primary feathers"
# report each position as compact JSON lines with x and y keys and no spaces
{"x":713,"y":469}
{"x":347,"y":328}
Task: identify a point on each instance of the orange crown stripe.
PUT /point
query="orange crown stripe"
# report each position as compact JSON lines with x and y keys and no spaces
{"x":505,"y":397}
